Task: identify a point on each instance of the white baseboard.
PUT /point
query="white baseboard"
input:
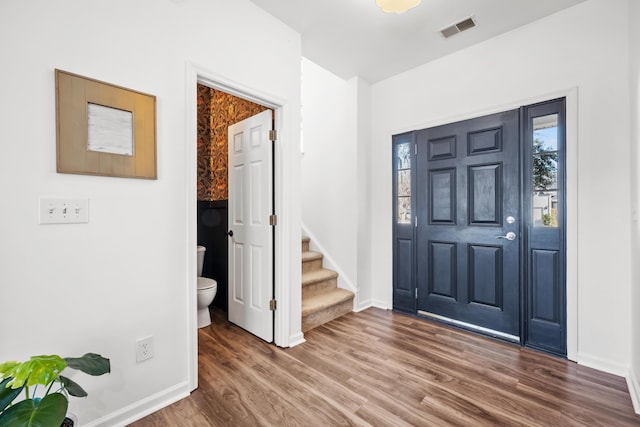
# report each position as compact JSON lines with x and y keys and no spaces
{"x":142,"y":408}
{"x":378,"y":303}
{"x":634,"y":390}
{"x":603,"y":365}
{"x":296,"y":339}
{"x":363,"y":305}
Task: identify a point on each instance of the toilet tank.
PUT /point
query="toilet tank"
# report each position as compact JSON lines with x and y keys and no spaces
{"x":201,"y":251}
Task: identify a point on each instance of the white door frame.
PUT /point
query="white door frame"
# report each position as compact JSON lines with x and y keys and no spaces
{"x":282,"y":337}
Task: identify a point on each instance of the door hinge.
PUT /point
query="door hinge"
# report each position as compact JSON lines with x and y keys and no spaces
{"x":416,"y":293}
{"x":415,"y":148}
{"x":416,"y":224}
{"x":273,"y":305}
{"x":273,"y":220}
{"x":273,"y":135}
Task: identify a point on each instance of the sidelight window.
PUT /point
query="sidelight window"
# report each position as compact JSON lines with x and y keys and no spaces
{"x":545,"y":171}
{"x":403,"y":179}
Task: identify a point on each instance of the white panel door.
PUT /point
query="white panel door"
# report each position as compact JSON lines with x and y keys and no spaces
{"x":250,"y":240}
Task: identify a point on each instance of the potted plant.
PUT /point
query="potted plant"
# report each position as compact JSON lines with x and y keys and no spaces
{"x":47,"y":406}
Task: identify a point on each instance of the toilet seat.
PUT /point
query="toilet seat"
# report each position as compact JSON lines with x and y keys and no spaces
{"x":206,"y":283}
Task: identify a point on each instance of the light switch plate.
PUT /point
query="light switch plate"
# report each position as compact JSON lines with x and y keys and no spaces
{"x":63,"y":211}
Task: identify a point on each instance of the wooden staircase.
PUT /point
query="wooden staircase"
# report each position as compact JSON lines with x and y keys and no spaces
{"x":322,"y":300}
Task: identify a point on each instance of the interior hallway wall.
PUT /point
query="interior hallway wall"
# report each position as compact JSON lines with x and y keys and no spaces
{"x":335,"y":173}
{"x":584,"y":47}
{"x":364,"y":248}
{"x":329,"y":164}
{"x":98,"y":287}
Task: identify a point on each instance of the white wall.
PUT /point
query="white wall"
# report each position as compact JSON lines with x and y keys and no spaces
{"x":364,"y":250}
{"x":585,"y":47}
{"x":329,"y":172}
{"x":70,"y":289}
{"x":335,"y":174}
{"x":634,"y":375}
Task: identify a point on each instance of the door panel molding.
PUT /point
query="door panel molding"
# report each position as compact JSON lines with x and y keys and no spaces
{"x":442,"y":148}
{"x":485,"y":186}
{"x":485,"y":275}
{"x":442,"y":195}
{"x":443,"y":269}
{"x":484,"y":141}
{"x":545,"y":285}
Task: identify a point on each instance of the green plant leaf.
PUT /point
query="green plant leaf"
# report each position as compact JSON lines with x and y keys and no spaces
{"x":37,"y":370}
{"x":72,"y":387}
{"x":47,"y":412}
{"x":7,"y":368}
{"x":90,"y":363}
{"x":7,"y":394}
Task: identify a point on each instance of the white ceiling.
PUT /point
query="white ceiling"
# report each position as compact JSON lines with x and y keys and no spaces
{"x":354,"y":37}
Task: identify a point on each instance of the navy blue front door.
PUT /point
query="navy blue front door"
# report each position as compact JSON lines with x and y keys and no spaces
{"x":468,"y":195}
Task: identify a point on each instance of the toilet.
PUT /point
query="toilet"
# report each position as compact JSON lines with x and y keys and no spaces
{"x":206,"y":292}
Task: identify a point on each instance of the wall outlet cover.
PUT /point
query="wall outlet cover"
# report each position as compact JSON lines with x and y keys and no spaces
{"x":144,"y":349}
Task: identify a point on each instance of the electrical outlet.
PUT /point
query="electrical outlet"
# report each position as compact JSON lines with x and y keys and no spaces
{"x":144,"y":348}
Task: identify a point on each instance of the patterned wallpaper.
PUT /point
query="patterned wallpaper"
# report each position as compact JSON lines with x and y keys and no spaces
{"x":216,"y":112}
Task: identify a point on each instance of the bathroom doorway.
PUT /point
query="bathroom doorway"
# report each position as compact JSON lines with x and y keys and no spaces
{"x":285,"y":107}
{"x":217,"y":111}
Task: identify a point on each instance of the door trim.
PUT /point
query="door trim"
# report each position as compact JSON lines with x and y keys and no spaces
{"x":284,"y":336}
{"x":571,"y":96}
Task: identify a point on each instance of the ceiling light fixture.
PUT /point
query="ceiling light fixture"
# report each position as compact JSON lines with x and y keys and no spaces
{"x":396,"y":6}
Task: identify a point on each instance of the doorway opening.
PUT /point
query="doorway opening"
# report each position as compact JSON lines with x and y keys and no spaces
{"x":217,"y":110}
{"x":235,"y":201}
{"x":196,"y":76}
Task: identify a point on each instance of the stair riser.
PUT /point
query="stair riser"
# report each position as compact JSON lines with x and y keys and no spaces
{"x":312,"y":265}
{"x":318,"y":318}
{"x":319,"y":287}
{"x":322,"y":301}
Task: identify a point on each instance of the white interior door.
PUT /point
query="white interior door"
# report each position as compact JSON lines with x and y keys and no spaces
{"x":250,"y":240}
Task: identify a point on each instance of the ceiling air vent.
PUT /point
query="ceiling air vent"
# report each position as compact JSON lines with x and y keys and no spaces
{"x":461,"y":26}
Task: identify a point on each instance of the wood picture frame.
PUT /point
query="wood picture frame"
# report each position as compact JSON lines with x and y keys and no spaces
{"x":104,"y":129}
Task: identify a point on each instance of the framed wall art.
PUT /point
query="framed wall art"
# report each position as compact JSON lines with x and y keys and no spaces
{"x":104,"y":129}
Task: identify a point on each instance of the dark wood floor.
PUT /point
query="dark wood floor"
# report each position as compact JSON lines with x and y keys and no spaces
{"x":385,"y":369}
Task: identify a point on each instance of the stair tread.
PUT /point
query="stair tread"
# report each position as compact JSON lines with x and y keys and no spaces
{"x":315,"y":276}
{"x":311,"y":256}
{"x":325,"y":300}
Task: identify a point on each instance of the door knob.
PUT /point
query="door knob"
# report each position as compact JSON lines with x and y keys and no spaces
{"x":510,"y":236}
{"x":230,"y":233}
